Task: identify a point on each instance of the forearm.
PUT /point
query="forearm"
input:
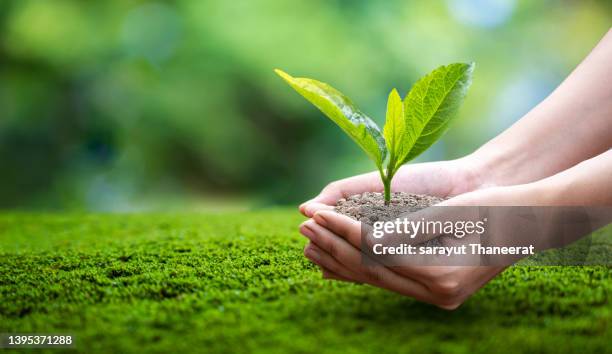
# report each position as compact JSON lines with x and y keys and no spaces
{"x":573,"y":124}
{"x":588,"y":183}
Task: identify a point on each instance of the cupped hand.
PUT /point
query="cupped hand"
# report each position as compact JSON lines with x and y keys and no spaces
{"x":335,"y":243}
{"x":442,"y":179}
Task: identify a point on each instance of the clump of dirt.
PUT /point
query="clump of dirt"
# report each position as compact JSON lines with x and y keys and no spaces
{"x":370,"y":207}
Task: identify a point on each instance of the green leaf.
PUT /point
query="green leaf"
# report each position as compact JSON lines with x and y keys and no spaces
{"x":395,"y":126}
{"x":343,"y":112}
{"x":431,"y":104}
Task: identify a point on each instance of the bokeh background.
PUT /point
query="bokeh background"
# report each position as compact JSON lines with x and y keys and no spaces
{"x":121,"y":105}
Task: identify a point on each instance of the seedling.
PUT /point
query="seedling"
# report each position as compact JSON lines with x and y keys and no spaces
{"x":411,"y":125}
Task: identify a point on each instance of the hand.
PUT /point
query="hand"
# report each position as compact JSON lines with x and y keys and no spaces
{"x":335,"y":242}
{"x":335,"y":239}
{"x":444,"y":286}
{"x":442,"y":179}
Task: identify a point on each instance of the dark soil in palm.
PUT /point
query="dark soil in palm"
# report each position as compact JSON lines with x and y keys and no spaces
{"x":370,"y":207}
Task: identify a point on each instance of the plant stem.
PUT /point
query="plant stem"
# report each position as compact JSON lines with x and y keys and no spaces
{"x":387,"y":179}
{"x":387,"y":184}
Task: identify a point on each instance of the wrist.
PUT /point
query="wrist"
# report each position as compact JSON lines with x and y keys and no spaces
{"x":545,"y":192}
{"x":484,"y":169}
{"x":497,"y":164}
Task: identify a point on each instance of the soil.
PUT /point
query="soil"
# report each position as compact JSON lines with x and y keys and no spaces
{"x":370,"y":207}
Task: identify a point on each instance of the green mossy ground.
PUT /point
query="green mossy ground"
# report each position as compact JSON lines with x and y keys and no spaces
{"x":239,"y":283}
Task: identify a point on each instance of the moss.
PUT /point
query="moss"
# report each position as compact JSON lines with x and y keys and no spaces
{"x":239,"y":283}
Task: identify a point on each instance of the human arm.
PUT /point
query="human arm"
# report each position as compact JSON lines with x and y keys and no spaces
{"x":572,"y":124}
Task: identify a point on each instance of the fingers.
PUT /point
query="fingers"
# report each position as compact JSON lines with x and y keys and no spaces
{"x":339,"y":256}
{"x":445,"y":287}
{"x":369,"y":182}
{"x":336,"y":241}
{"x":341,"y":225}
{"x":331,"y":269}
{"x":350,"y":230}
{"x":309,"y":208}
{"x":329,"y":275}
{"x":341,"y":251}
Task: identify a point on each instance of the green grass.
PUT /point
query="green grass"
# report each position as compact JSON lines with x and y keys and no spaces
{"x":239,"y":283}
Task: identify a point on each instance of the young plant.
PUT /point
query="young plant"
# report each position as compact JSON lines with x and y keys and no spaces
{"x":411,"y":126}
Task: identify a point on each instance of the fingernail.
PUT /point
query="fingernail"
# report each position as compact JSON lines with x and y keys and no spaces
{"x":311,"y":253}
{"x":303,"y":205}
{"x":314,"y":247}
{"x":320,"y":219}
{"x":306,"y":231}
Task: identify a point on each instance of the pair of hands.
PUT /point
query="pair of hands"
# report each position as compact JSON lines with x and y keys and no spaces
{"x":557,"y":154}
{"x":335,"y":239}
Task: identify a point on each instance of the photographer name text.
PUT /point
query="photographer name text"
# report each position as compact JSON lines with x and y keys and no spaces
{"x":473,"y":248}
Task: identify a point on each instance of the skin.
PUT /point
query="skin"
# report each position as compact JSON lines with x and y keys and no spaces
{"x":560,"y":153}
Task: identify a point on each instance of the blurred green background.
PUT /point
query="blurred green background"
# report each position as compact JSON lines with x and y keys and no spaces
{"x":123,"y":105}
